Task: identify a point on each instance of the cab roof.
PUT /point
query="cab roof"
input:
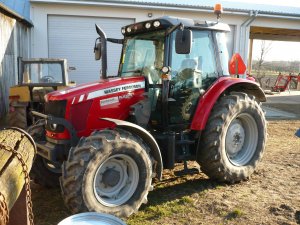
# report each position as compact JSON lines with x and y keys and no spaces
{"x":198,"y":24}
{"x":169,"y":21}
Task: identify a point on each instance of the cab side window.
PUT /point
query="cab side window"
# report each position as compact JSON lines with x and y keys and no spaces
{"x":190,"y":73}
{"x":201,"y":59}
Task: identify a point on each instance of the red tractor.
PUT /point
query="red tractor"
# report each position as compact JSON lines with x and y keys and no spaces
{"x":173,"y":100}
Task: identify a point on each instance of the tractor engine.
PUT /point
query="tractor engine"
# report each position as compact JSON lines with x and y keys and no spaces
{"x":82,"y":107}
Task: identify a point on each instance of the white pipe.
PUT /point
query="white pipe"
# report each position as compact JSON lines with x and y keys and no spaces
{"x":243,"y":33}
{"x":251,"y":14}
{"x":243,"y":50}
{"x":285,"y":16}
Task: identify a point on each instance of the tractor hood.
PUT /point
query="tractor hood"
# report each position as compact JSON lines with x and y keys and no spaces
{"x":97,"y":89}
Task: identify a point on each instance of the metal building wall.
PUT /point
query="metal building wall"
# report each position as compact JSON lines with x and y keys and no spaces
{"x":14,"y":43}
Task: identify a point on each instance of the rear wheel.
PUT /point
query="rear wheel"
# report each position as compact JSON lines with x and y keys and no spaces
{"x":43,"y":171}
{"x":109,"y":171}
{"x":234,"y":139}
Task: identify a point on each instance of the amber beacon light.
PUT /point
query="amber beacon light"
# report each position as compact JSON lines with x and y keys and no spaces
{"x":218,"y":10}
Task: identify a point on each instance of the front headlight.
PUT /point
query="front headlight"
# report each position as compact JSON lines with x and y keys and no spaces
{"x":53,"y":126}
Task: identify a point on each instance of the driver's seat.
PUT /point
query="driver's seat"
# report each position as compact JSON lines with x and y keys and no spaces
{"x":188,"y":66}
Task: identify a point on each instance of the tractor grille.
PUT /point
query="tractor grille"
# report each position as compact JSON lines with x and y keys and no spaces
{"x":56,"y":109}
{"x":79,"y":114}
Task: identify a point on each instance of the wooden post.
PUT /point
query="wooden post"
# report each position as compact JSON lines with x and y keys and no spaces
{"x":12,"y":178}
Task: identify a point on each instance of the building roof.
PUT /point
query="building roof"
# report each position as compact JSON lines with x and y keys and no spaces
{"x":19,"y":9}
{"x":194,"y":5}
{"x":231,"y":6}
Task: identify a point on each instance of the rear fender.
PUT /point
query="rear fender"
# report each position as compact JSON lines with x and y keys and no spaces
{"x":223,"y":85}
{"x":21,"y":92}
{"x":147,"y":138}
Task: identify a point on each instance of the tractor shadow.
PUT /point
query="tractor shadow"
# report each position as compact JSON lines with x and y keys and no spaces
{"x":174,"y":194}
{"x":176,"y":187}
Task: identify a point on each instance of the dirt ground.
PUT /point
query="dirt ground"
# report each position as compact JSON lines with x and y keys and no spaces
{"x":271,"y":196}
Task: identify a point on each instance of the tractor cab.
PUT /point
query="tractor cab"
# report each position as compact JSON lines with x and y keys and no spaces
{"x":179,"y":58}
{"x":37,"y":77}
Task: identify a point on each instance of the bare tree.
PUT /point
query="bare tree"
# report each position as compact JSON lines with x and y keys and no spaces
{"x":264,"y":50}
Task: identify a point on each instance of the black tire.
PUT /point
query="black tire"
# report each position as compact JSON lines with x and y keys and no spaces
{"x":18,"y":118}
{"x":89,"y":157}
{"x":43,"y":172}
{"x":234,"y":139}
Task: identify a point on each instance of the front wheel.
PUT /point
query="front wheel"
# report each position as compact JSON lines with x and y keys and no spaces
{"x":234,"y":139}
{"x":109,"y":171}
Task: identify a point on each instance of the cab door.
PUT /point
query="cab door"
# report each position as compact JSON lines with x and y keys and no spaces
{"x":191,"y":75}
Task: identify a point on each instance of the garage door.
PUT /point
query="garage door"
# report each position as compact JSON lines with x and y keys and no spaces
{"x":73,"y":38}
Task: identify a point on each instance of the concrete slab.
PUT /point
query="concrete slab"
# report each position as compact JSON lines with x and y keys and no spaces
{"x":287,"y":97}
{"x":272,"y":113}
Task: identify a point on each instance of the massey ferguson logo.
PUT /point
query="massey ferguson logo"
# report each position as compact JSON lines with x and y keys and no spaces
{"x":112,"y":90}
{"x":117,"y":89}
{"x":122,"y":88}
{"x":132,"y":87}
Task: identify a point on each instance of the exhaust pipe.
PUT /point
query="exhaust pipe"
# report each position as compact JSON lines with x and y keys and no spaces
{"x":103,"y":50}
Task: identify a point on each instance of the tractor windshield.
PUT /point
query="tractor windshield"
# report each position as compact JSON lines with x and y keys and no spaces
{"x":42,"y":72}
{"x":143,"y":54}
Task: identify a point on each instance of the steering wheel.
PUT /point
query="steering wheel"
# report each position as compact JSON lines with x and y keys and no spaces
{"x":185,"y":74}
{"x":151,"y":75}
{"x":47,"y":79}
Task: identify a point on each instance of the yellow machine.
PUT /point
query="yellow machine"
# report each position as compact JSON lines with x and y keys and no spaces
{"x":37,"y":77}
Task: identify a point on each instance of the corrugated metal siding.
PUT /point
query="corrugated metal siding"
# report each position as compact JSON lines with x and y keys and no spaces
{"x":73,"y":38}
{"x":7,"y":60}
{"x":11,"y":47}
{"x":237,"y":6}
{"x":23,"y":40}
{"x":232,"y":7}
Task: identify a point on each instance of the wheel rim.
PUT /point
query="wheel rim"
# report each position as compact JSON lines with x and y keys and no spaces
{"x":53,"y":167}
{"x":241,"y":139}
{"x":116,"y":180}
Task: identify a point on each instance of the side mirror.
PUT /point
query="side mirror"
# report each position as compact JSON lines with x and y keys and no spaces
{"x":183,"y":41}
{"x":236,"y":65}
{"x":97,"y":51}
